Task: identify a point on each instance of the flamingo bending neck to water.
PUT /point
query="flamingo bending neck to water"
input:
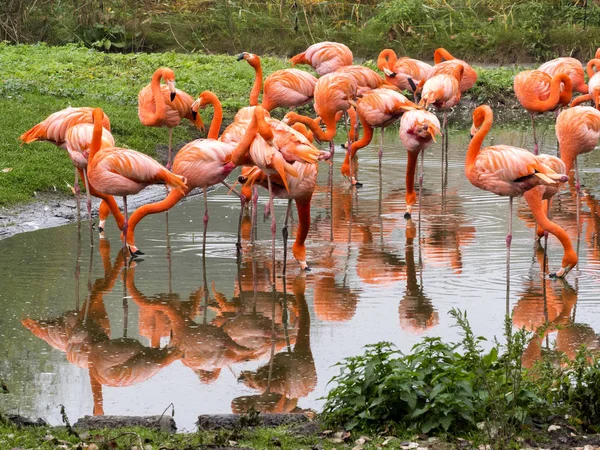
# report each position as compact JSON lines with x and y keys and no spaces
{"x":324,"y":57}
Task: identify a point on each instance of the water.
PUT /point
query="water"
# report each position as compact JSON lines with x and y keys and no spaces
{"x":172,"y":330}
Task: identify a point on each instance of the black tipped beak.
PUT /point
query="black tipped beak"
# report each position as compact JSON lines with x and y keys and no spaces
{"x":100,"y":230}
{"x":194,"y":114}
{"x":412,"y":84}
{"x":173,"y":96}
{"x":240,"y":57}
{"x":407,"y":215}
{"x":138,"y":253}
{"x":242,"y":179}
{"x":470,"y":136}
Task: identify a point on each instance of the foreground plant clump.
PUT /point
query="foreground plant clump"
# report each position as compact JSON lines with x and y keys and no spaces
{"x":463,"y":388}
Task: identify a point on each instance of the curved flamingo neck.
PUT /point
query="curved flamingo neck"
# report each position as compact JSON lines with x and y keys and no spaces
{"x":257,"y":82}
{"x":591,"y":65}
{"x":217,"y":120}
{"x":98,"y":115}
{"x":387,"y":59}
{"x":564,"y":97}
{"x":303,"y":208}
{"x":160,"y":106}
{"x":324,"y":136}
{"x":240,"y":156}
{"x":477,"y":141}
{"x":442,"y":54}
{"x":365,"y":139}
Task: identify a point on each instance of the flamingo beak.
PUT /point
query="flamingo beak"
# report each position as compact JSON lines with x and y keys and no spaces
{"x":352,"y":103}
{"x":389,"y":73}
{"x":194,"y":108}
{"x":172,"y":91}
{"x":241,"y":56}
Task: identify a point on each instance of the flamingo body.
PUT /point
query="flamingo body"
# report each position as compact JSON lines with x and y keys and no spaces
{"x":442,"y":91}
{"x":469,"y":75}
{"x":569,"y":66}
{"x":398,"y":71}
{"x":325,"y":57}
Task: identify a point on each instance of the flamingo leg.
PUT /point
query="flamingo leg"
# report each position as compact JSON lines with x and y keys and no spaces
{"x":380,"y":154}
{"x":284,"y":232}
{"x":444,"y":137}
{"x":205,"y":220}
{"x":77,"y":192}
{"x":125,"y":226}
{"x":254,"y":212}
{"x":89,"y":205}
{"x":273,"y":221}
{"x":535,"y":141}
{"x":421,"y":181}
{"x":169,"y":162}
{"x":577,"y":183}
{"x":238,"y":244}
{"x":510,"y":213}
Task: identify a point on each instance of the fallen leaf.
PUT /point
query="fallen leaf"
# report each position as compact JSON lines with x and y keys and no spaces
{"x":7,"y":169}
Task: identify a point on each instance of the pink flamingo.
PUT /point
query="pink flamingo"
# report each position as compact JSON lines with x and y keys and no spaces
{"x":502,"y":169}
{"x":123,"y":172}
{"x":449,"y":66}
{"x":324,"y":57}
{"x":570,"y":67}
{"x":404,"y":73}
{"x":161,"y":105}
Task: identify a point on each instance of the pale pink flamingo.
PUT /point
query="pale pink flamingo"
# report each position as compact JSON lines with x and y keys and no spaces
{"x":502,"y":169}
{"x":448,"y":67}
{"x":324,"y":57}
{"x":162,"y":105}
{"x":570,"y":67}
{"x":404,"y":73}
{"x":288,"y":88}
{"x":123,"y":172}
{"x":417,"y":132}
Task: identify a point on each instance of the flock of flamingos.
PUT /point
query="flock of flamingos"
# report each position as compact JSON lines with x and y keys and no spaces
{"x":280,"y":155}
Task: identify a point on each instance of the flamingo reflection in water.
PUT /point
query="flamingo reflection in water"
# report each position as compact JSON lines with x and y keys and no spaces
{"x":289,"y":375}
{"x":84,"y":336}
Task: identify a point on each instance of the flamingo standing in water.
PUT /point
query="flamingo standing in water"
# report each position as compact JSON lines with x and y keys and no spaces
{"x":288,"y":88}
{"x":54,"y":129}
{"x":404,"y":73}
{"x":577,"y":131}
{"x":539,"y":92}
{"x":538,"y":199}
{"x":376,"y":108}
{"x":203,"y":163}
{"x":162,"y":105}
{"x":449,"y":66}
{"x":417,"y":132}
{"x":324,"y":57}
{"x":502,"y":169}
{"x":123,"y":172}
{"x":593,"y":68}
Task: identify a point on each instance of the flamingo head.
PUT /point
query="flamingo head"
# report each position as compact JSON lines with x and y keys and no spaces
{"x":251,"y":58}
{"x":169,"y":76}
{"x":479,"y":115}
{"x":97,"y":115}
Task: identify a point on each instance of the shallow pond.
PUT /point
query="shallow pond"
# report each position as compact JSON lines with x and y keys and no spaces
{"x":78,"y":329}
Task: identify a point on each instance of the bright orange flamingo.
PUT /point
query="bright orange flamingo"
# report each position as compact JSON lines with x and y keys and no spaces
{"x":417,"y":132}
{"x":162,"y":105}
{"x":539,"y":92}
{"x":274,"y":161}
{"x":577,"y":131}
{"x":502,"y":169}
{"x":593,"y":71}
{"x":300,"y":189}
{"x":324,"y":57}
{"x":448,"y":67}
{"x":202,"y":163}
{"x":404,"y":73}
{"x":288,"y":88}
{"x":377,"y":108}
{"x":123,"y":172}
{"x":538,"y":199}
{"x":570,"y":67}
{"x":54,"y":129}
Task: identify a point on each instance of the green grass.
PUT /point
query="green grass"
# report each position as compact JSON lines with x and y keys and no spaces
{"x":38,"y":80}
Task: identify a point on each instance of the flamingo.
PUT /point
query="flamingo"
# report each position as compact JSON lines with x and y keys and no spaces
{"x":418,"y":129}
{"x":78,"y":140}
{"x":539,"y":92}
{"x":448,"y":67}
{"x":123,"y":172}
{"x":538,"y":199}
{"x":280,"y":160}
{"x":577,"y":131}
{"x":502,"y":169}
{"x":162,"y":105}
{"x":54,"y":129}
{"x":288,"y":88}
{"x":404,"y":73}
{"x":366,"y":79}
{"x":593,"y":68}
{"x":376,"y":108}
{"x":300,"y":189}
{"x":324,"y":57}
{"x":570,"y":67}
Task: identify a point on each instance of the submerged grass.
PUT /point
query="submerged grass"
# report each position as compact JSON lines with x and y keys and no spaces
{"x":39,"y":79}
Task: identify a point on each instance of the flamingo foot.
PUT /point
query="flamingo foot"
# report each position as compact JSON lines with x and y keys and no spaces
{"x":508,"y":239}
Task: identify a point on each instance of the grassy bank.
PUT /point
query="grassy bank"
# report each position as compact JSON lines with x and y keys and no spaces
{"x":498,"y":31}
{"x":38,"y":80}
